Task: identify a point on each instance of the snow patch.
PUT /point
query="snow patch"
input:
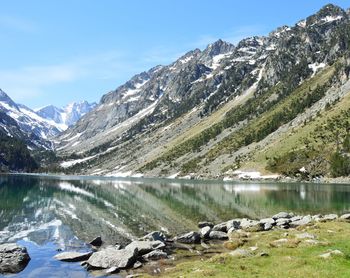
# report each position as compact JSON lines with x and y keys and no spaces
{"x":315,"y":67}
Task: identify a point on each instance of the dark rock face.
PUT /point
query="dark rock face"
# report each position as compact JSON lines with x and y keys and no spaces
{"x":96,"y":241}
{"x":13,"y":258}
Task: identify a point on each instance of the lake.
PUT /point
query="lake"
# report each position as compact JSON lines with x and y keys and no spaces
{"x":50,"y":213}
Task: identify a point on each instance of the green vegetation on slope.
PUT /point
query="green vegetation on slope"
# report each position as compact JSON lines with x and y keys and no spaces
{"x":14,"y":155}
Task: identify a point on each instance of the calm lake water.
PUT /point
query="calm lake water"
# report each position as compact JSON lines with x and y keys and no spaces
{"x":47,"y":213}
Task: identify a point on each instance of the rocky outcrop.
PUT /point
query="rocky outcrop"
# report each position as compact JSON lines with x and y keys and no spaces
{"x":13,"y":258}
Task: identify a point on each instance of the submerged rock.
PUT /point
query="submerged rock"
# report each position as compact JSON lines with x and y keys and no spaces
{"x":13,"y":258}
{"x":73,"y":256}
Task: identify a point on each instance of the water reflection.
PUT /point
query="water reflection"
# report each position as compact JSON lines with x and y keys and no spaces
{"x":69,"y":211}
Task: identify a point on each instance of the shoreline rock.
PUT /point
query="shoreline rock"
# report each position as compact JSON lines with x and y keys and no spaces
{"x":13,"y":258}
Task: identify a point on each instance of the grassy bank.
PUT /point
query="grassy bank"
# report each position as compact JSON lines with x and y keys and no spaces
{"x":273,"y":257}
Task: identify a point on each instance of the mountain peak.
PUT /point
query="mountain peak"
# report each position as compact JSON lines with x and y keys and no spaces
{"x":218,"y":47}
{"x":328,"y":13}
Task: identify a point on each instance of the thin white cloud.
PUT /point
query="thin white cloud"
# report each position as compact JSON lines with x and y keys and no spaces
{"x":28,"y":82}
{"x":17,"y":23}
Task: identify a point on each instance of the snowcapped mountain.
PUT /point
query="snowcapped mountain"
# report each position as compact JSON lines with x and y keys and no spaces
{"x":65,"y":116}
{"x":38,"y":127}
{"x":213,"y":109}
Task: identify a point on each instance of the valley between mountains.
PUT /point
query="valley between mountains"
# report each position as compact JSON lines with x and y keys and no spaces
{"x":270,"y":105}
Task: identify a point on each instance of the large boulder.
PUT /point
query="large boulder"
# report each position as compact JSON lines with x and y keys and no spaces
{"x":13,"y":258}
{"x":73,"y":256}
{"x":145,"y":246}
{"x":113,"y":258}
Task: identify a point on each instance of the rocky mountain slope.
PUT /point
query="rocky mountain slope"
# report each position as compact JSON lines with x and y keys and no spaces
{"x":227,"y":107}
{"x":67,"y":115}
{"x":24,"y":132}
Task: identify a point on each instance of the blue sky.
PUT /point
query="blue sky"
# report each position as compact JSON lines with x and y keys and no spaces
{"x":59,"y":51}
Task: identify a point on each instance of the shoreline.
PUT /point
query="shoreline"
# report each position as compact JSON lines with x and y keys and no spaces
{"x":257,"y":240}
{"x":280,"y":179}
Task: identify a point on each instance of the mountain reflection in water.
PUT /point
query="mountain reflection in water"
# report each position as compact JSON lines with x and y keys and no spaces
{"x":71,"y":210}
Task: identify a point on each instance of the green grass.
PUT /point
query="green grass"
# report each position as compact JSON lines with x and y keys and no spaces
{"x":294,"y":260}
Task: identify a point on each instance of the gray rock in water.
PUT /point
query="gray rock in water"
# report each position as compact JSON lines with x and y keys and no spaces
{"x":191,"y":237}
{"x":112,"y":258}
{"x":204,"y":232}
{"x":73,"y":256}
{"x":205,"y":224}
{"x":304,"y":221}
{"x":218,"y":235}
{"x":13,"y":258}
{"x":221,"y":227}
{"x":97,"y":241}
{"x":282,"y":215}
{"x":146,"y":246}
{"x":155,"y":255}
{"x":156,"y":235}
